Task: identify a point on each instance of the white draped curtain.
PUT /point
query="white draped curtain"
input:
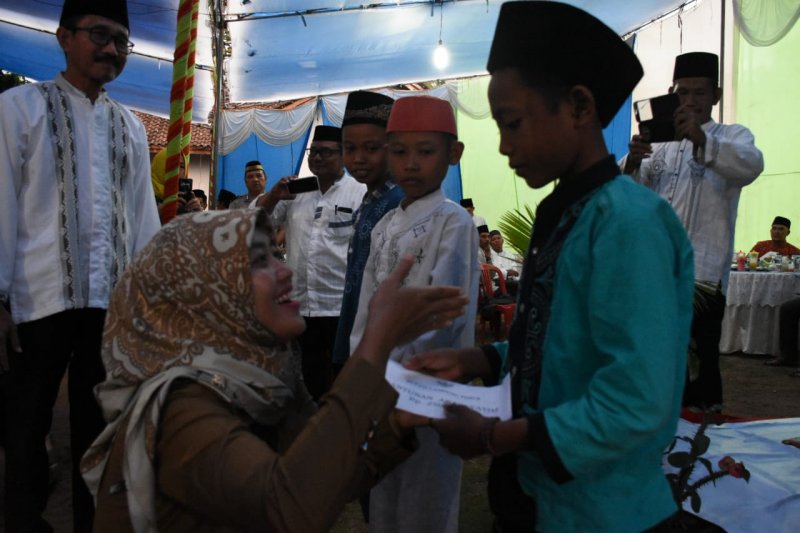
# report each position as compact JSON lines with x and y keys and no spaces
{"x":280,"y":127}
{"x":274,"y":127}
{"x":765,"y":22}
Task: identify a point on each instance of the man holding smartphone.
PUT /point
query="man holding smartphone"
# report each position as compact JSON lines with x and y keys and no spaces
{"x":318,"y":225}
{"x":701,"y":174}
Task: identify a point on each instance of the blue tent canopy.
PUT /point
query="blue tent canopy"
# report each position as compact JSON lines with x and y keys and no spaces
{"x":287,"y":49}
{"x":282,"y":49}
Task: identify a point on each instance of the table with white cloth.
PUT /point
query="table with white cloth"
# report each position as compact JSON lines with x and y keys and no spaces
{"x":752,"y":309}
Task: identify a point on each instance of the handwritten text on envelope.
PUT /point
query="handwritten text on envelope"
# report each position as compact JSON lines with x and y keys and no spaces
{"x":426,"y":396}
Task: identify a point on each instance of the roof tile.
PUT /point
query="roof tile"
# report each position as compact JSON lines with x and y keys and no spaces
{"x":157,"y":128}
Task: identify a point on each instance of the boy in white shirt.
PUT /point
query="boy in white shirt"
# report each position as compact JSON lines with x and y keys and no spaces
{"x":422,"y":494}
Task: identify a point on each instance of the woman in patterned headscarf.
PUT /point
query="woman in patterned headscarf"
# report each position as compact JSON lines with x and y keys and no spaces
{"x":210,"y":425}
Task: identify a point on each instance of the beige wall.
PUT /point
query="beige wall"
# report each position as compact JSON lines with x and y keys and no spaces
{"x":199,"y":171}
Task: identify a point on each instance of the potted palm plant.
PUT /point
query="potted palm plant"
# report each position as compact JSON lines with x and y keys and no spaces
{"x":516,"y":226}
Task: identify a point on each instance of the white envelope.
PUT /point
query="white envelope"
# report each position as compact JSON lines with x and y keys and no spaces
{"x":426,"y":396}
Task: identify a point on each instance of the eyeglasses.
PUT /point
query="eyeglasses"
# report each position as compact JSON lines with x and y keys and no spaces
{"x":324,"y":153}
{"x":101,"y":36}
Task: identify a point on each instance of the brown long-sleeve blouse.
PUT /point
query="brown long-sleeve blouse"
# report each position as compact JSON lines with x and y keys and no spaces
{"x":216,"y":471}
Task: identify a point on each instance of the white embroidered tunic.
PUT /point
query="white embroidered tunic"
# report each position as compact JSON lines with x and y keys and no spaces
{"x":422,"y":493}
{"x":506,"y":261}
{"x":441,"y":235}
{"x":61,"y":247}
{"x":704,"y":192}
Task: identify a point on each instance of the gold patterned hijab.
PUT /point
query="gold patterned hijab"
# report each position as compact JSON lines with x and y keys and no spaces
{"x":184,"y":309}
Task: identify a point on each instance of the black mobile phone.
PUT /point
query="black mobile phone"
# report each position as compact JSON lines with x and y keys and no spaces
{"x":656,"y":117}
{"x":185,"y":186}
{"x":301,"y":185}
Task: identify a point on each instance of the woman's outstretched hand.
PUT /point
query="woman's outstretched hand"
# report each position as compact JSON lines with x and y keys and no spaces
{"x":398,"y":314}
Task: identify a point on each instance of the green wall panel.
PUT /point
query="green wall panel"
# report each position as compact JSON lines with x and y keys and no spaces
{"x":767,"y":85}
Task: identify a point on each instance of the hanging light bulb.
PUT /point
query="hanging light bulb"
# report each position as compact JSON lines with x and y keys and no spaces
{"x":441,"y":56}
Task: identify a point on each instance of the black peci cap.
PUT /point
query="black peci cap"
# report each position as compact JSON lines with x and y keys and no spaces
{"x":116,"y":10}
{"x":569,"y":44}
{"x":364,"y":107}
{"x":782,"y":221}
{"x":327,"y":133}
{"x":697,"y":65}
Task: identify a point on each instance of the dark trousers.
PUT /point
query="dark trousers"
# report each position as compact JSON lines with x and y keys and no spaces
{"x":316,"y":345}
{"x":706,"y":390}
{"x":789,"y":319}
{"x":513,"y":510}
{"x":70,"y":339}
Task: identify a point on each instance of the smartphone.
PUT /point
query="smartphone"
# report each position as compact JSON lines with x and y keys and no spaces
{"x":185,"y":186}
{"x":656,"y":117}
{"x":301,"y":185}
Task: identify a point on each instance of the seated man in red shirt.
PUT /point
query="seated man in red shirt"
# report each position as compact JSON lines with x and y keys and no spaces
{"x":778,"y":244}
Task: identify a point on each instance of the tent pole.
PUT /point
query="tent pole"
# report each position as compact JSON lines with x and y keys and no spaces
{"x":180,"y":74}
{"x":721,"y":105}
{"x":219,"y":95}
{"x":188,"y":98}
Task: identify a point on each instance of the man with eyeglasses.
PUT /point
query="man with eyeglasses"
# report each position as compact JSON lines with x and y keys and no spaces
{"x":318,"y":227}
{"x":76,"y":204}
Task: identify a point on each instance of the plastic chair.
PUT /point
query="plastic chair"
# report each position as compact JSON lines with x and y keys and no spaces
{"x":496,"y":307}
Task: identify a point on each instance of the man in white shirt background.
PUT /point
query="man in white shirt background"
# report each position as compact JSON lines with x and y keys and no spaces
{"x":701,"y":174}
{"x":508,"y":262}
{"x":318,"y":227}
{"x":76,"y":204}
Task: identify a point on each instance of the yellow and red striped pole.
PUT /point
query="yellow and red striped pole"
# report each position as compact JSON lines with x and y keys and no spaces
{"x":186,"y":135}
{"x":180,"y":110}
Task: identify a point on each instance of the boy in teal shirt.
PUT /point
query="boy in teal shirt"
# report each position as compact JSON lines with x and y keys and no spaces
{"x":597,"y":350}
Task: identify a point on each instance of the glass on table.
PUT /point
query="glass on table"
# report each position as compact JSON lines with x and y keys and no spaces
{"x":752,"y":260}
{"x":741,"y":260}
